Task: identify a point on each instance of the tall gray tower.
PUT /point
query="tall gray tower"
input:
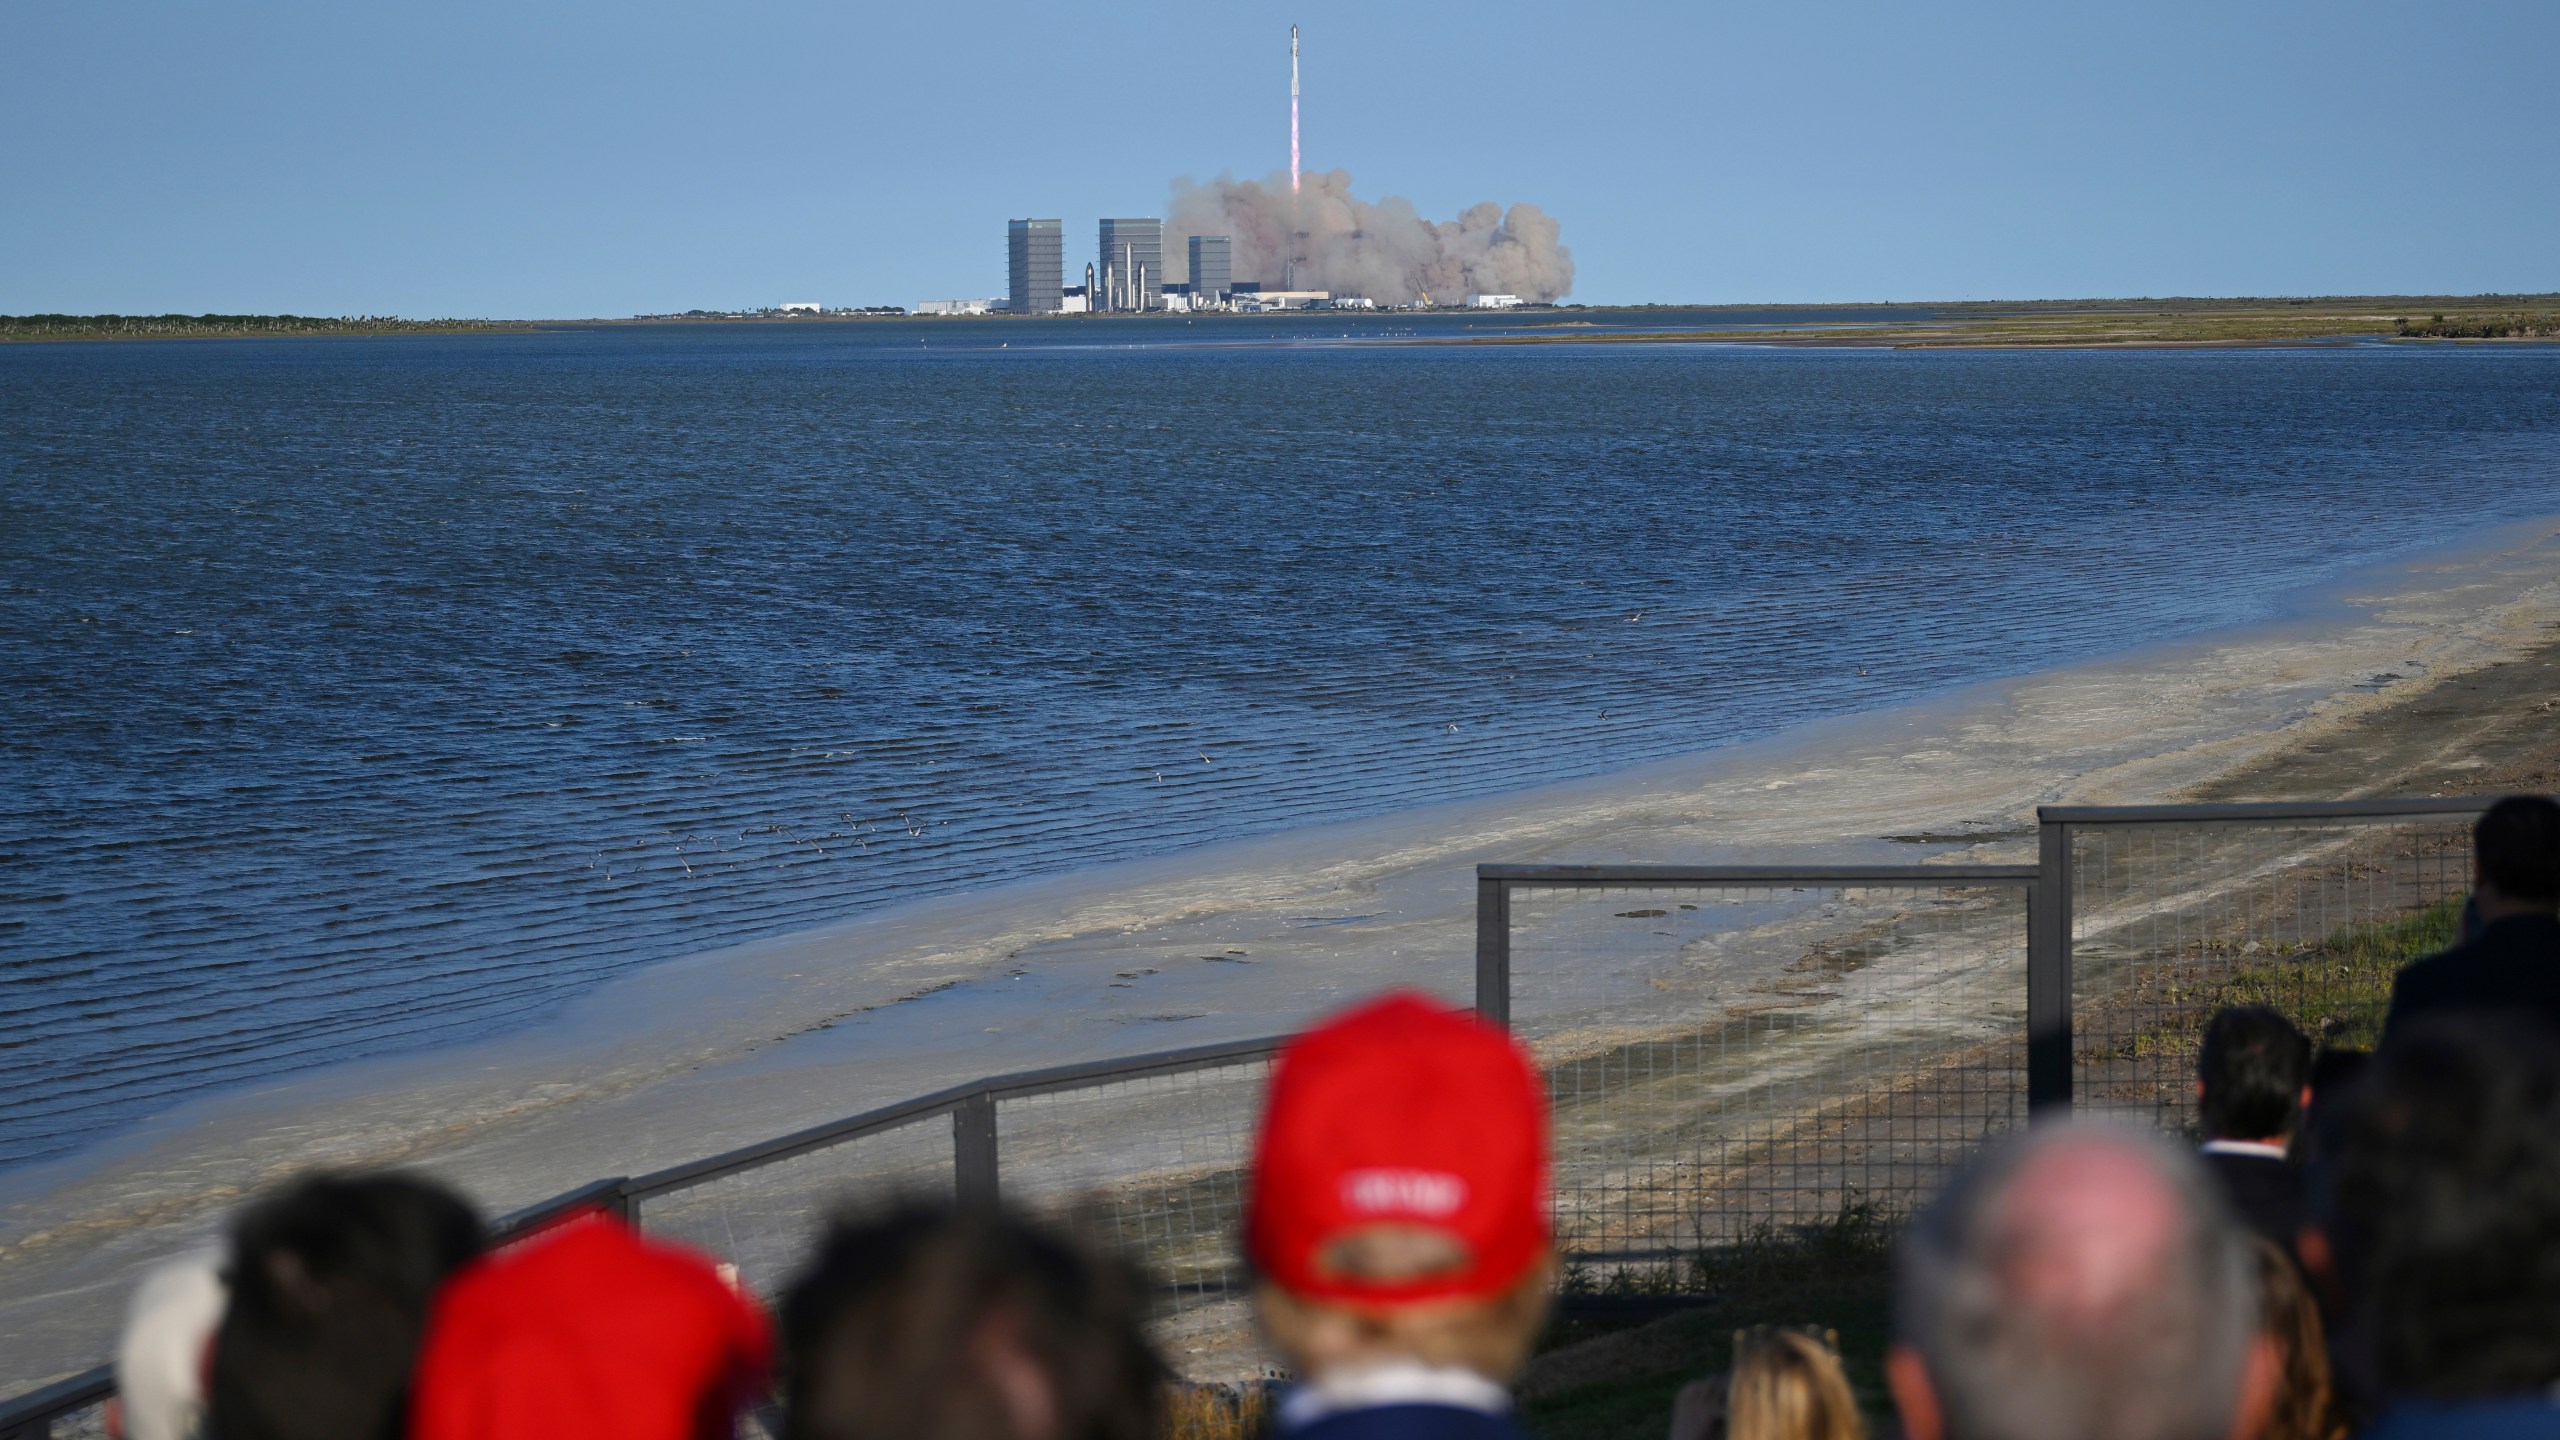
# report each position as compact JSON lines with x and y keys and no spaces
{"x":1131,"y":252}
{"x":1213,"y":271}
{"x":1035,"y":253}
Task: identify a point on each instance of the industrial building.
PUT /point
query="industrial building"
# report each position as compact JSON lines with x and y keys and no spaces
{"x":1035,"y":263}
{"x":1213,"y":270}
{"x":1131,"y":254}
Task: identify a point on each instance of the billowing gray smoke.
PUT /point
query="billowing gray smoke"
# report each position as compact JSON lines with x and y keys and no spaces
{"x":1384,"y":250}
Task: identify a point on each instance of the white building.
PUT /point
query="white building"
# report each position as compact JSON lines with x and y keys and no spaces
{"x":1492,"y":302}
{"x":799,"y":307}
{"x":1075,"y":302}
{"x":1281,"y":299}
{"x":956,"y":307}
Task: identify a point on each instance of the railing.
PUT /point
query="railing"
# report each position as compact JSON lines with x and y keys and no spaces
{"x":2165,"y":913}
{"x":1736,"y":1052}
{"x":1738,"y":1049}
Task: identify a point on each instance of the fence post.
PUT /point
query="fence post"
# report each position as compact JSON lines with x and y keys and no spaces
{"x":973,"y":1151}
{"x":1493,"y":949}
{"x":2049,"y":972}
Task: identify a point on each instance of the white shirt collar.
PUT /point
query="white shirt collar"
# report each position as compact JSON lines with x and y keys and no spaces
{"x":1398,"y":1382}
{"x":2259,"y":1148}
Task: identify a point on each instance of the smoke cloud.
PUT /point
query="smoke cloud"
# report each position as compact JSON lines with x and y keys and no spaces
{"x":1382,"y":250}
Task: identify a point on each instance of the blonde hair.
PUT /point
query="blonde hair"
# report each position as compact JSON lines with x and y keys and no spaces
{"x":1787,"y":1385}
{"x":2305,"y":1406}
{"x":1491,"y":1336}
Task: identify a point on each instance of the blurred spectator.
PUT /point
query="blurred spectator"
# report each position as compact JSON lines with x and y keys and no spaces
{"x":2252,"y":1080}
{"x":929,"y":1323}
{"x":589,"y":1332}
{"x":2332,"y":1071}
{"x":1784,"y":1385}
{"x":1397,"y":1216}
{"x":330,"y":1284}
{"x":2079,"y":1283}
{"x":2513,"y":964}
{"x":166,"y":1346}
{"x":2440,"y":1211}
{"x":2305,"y":1405}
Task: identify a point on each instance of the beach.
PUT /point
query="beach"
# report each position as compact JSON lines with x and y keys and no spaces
{"x":2409,"y":677}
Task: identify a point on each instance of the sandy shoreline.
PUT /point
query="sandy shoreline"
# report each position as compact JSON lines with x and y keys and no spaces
{"x":1245,"y":939}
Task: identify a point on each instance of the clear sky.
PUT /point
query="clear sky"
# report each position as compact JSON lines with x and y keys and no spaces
{"x":608,"y":157}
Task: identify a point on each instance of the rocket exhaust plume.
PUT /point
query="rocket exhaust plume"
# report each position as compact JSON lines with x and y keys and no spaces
{"x":1383,"y":250}
{"x":1293,"y":109}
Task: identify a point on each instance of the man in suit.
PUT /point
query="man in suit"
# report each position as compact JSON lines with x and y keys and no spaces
{"x":2251,"y":1083}
{"x":2511,"y":962}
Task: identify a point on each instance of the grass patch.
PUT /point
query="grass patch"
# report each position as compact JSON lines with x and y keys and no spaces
{"x":1618,"y":1377}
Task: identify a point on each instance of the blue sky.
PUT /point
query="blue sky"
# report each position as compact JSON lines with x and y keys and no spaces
{"x":573,"y":159}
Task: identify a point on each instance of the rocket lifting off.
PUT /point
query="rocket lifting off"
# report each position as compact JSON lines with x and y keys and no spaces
{"x":1293,"y":109}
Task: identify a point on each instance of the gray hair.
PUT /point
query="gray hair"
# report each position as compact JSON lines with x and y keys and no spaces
{"x":2027,"y":1337}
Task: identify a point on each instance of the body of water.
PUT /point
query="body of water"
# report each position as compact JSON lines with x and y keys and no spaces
{"x":370,"y":694}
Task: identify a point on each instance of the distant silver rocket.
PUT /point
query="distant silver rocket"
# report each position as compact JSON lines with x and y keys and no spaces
{"x":1293,"y":109}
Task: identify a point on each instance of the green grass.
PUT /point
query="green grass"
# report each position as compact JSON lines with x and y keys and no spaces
{"x":1834,"y":1276}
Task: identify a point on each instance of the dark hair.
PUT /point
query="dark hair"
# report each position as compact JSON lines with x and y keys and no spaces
{"x":2306,"y":1404}
{"x":2517,"y":846}
{"x":2254,"y":1066}
{"x":330,"y":1284}
{"x":2441,"y":1204}
{"x":888,"y":1334}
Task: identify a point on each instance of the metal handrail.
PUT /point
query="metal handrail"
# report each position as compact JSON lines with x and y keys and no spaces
{"x":2264,"y":810}
{"x":31,"y":1416}
{"x":1017,"y":1085}
{"x":1558,"y":875}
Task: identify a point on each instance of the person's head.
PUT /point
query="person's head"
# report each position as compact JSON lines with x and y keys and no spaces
{"x":2304,"y":1406}
{"x":589,"y":1331}
{"x":2078,"y":1282}
{"x":1397,"y":1208}
{"x":330,"y":1284}
{"x":2439,"y":1213}
{"x":2251,"y":1074}
{"x":2515,"y":855}
{"x":933,"y":1323}
{"x":1787,"y":1385}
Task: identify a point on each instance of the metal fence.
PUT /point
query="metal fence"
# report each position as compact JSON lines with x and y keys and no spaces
{"x":1737,"y":1052}
{"x":1732,"y":1052}
{"x":2170,"y":912}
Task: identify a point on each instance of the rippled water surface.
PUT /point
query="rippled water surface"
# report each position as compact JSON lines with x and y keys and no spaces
{"x":367,"y":694}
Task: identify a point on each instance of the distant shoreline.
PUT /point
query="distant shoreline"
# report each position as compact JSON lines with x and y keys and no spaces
{"x":2110,"y":324}
{"x":43,"y":329}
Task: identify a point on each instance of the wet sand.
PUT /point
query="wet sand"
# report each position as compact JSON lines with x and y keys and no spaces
{"x":2421,"y":677}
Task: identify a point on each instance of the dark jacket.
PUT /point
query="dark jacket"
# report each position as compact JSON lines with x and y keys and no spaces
{"x":1407,"y":1422}
{"x":2513,"y":967}
{"x":2265,"y":1193}
{"x":2530,"y":1417}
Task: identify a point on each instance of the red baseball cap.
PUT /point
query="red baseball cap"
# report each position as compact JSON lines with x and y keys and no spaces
{"x":1403,"y":1119}
{"x":589,"y":1330}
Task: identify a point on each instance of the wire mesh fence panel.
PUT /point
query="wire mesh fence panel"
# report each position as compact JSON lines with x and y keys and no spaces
{"x":766,"y":1220}
{"x":2172,"y":921}
{"x":1152,"y":1168}
{"x":1730,"y":1063}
